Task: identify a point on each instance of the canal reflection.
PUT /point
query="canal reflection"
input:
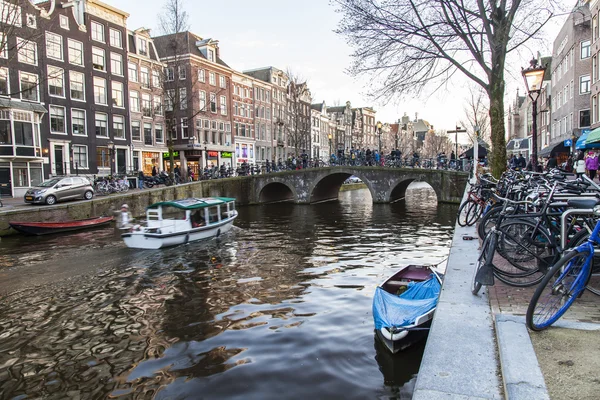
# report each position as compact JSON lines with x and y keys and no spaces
{"x":279,"y":308}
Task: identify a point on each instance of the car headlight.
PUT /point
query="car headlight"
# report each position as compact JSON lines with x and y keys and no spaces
{"x":42,"y":191}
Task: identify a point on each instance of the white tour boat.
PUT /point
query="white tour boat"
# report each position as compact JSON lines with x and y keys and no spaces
{"x":170,"y":223}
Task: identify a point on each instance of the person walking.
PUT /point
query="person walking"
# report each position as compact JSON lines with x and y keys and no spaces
{"x":141,"y":180}
{"x":591,"y":164}
{"x":154,"y":172}
{"x":551,"y":163}
{"x":580,"y":165}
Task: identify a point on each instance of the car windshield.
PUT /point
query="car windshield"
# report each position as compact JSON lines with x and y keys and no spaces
{"x":49,"y":183}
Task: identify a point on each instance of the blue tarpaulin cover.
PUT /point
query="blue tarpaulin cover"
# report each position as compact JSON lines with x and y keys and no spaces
{"x":390,"y":310}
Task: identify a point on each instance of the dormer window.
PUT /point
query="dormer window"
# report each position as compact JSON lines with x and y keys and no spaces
{"x":142,"y":47}
{"x":211,"y":55}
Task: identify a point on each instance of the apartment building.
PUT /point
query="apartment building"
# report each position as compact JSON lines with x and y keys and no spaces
{"x":263,"y":120}
{"x":244,"y":130}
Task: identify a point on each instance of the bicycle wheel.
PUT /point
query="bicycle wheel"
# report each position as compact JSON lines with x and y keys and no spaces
{"x":488,"y":220}
{"x":474,"y":213}
{"x":557,"y":291}
{"x":463,"y":213}
{"x":526,"y":246}
{"x":593,"y":284}
{"x":486,"y":257}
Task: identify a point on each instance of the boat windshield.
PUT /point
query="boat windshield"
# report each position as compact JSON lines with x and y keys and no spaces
{"x":49,"y":183}
{"x":173,"y":213}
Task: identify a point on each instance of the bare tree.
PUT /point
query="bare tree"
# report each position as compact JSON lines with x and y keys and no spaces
{"x":298,"y":126}
{"x":477,"y":114}
{"x":410,"y":45}
{"x":436,"y":143}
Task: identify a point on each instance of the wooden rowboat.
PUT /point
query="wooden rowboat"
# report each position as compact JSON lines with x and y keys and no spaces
{"x":46,"y":228}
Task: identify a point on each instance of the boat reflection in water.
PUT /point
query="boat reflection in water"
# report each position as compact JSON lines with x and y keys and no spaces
{"x":399,"y":370}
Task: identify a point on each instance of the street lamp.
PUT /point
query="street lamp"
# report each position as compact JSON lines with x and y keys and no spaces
{"x":111,"y":150}
{"x":330,"y":136}
{"x":534,"y":77}
{"x":379,"y":125}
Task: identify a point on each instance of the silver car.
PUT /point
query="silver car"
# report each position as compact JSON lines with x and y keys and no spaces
{"x":59,"y":189}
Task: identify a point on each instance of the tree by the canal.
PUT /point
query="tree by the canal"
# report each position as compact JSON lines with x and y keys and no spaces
{"x":410,"y":45}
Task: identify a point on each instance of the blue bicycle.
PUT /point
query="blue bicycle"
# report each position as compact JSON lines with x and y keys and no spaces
{"x":564,"y":282}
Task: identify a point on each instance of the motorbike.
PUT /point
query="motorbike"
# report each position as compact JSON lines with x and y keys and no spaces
{"x":161,"y":179}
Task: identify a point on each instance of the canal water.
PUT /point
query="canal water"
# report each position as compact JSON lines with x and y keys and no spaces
{"x":278,"y":308}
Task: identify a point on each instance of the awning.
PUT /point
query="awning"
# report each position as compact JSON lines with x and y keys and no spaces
{"x":22,"y":105}
{"x":481,"y":152}
{"x":591,"y":138}
{"x":553,"y":148}
{"x":518,"y":144}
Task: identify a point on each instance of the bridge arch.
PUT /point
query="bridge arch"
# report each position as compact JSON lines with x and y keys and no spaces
{"x":277,"y":190}
{"x":398,"y":188}
{"x":326,"y":186}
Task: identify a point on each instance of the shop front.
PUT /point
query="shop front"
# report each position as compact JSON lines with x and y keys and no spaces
{"x":227,"y":159}
{"x":212,"y":158}
{"x":166,"y":164}
{"x":194,"y":163}
{"x":244,"y":152}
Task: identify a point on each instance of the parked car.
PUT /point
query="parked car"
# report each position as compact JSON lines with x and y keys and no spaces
{"x":59,"y":189}
{"x":353,"y":179}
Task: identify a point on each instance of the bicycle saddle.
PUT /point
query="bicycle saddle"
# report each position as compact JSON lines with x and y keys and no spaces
{"x":583,"y":203}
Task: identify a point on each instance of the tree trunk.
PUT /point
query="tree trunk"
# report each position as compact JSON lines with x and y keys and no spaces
{"x":496,"y":95}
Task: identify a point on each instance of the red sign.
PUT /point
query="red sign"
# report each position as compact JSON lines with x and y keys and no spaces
{"x":213,"y":154}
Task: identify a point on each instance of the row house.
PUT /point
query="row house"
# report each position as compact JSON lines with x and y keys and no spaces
{"x":595,"y":50}
{"x":145,"y":73}
{"x":342,"y":116}
{"x":198,"y":95}
{"x":364,"y":129}
{"x":64,"y":114}
{"x":263,"y":120}
{"x":245,"y":132}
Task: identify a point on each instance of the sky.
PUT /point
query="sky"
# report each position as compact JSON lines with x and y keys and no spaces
{"x":300,"y":35}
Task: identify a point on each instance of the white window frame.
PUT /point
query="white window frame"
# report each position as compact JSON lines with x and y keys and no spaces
{"x":79,"y":48}
{"x":132,"y":78}
{"x":96,"y":52}
{"x":54,"y":40}
{"x":64,"y":116}
{"x":588,"y":48}
{"x":223,"y":104}
{"x":56,"y":73}
{"x":114,"y":120}
{"x":182,"y":72}
{"x":94,"y":32}
{"x":183,"y":98}
{"x":64,"y":22}
{"x":202,"y":101}
{"x":155,"y":78}
{"x":71,"y":80}
{"x":134,"y":106}
{"x":22,"y":52}
{"x":201,"y":75}
{"x":73,"y":111}
{"x":106,"y":122}
{"x":112,"y":94}
{"x":119,"y":58}
{"x":96,"y":98}
{"x":169,"y":74}
{"x":87,"y":158}
{"x":211,"y":79}
{"x":162,"y":130}
{"x":589,"y":84}
{"x":142,"y":43}
{"x":111,"y":31}
{"x":37,"y":85}
{"x":184,"y":124}
{"x":222,"y":81}
{"x":4,"y":73}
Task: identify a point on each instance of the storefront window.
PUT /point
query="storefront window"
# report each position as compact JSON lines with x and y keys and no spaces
{"x":36,"y":174}
{"x":102,"y":157}
{"x":5,"y":136}
{"x":20,"y":175}
{"x":23,"y":133}
{"x":150,"y":160}
{"x":244,"y":150}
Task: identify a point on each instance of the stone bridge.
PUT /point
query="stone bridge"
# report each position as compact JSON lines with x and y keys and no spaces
{"x":385,"y":184}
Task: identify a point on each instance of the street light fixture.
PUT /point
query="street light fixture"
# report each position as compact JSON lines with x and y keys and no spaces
{"x":379,"y":125}
{"x":111,"y":150}
{"x":329,"y":136}
{"x":534,"y":77}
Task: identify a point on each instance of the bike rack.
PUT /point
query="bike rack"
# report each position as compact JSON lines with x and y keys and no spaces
{"x":563,"y":220}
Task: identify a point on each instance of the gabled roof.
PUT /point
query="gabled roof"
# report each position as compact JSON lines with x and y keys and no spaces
{"x":338,"y":109}
{"x":183,"y":43}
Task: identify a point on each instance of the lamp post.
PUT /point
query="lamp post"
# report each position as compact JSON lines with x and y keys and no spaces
{"x":379,"y":125}
{"x":111,"y":151}
{"x":534,"y":77}
{"x":329,"y":136}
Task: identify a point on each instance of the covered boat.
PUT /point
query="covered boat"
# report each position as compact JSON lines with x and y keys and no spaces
{"x":170,"y":223}
{"x":403,"y":306}
{"x":46,"y":228}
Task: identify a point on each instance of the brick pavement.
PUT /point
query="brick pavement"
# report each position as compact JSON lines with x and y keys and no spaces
{"x":507,"y":299}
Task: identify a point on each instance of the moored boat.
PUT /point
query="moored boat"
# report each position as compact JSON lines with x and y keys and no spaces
{"x":46,"y":228}
{"x":170,"y":223}
{"x":403,"y":306}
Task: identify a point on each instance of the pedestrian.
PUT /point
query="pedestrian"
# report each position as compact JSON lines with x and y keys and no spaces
{"x":580,"y":165}
{"x":521,"y":162}
{"x":126,"y":219}
{"x":154,"y":172}
{"x":591,"y":164}
{"x":141,"y":180}
{"x":551,"y":163}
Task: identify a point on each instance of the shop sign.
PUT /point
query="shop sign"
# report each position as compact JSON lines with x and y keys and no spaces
{"x":226,"y":154}
{"x":213,"y":154}
{"x":168,"y":155}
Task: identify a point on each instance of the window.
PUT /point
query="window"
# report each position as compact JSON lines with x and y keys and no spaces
{"x":223,"y":104}
{"x":75,"y":52}
{"x":117,"y":94}
{"x":594,"y":109}
{"x":158,"y":133}
{"x":56,"y":81}
{"x":201,"y":75}
{"x":222,"y":81}
{"x":116,"y":64}
{"x":144,"y":77}
{"x":585,"y":49}
{"x":10,"y":13}
{"x":97,"y":32}
{"x":98,"y":60}
{"x":135,"y":131}
{"x":115,"y":38}
{"x":29,"y":86}
{"x":101,"y":124}
{"x":594,"y":69}
{"x":584,"y":118}
{"x":213,"y":103}
{"x":134,"y":101}
{"x":572,"y":54}
{"x":155,"y":78}
{"x":78,"y":122}
{"x":27,"y":51}
{"x":4,"y":85}
{"x":99,"y":90}
{"x":146,"y":105}
{"x":565,"y":94}
{"x":23,"y":130}
{"x":64,"y":22}
{"x":169,"y":97}
{"x":57,"y":119}
{"x":169,"y":74}
{"x":202,"y":94}
{"x":142,"y":47}
{"x":184,"y":128}
{"x":118,"y":127}
{"x":148,"y":134}
{"x":158,"y":105}
{"x":76,"y":80}
{"x":572,"y":88}
{"x":103,"y":157}
{"x":584,"y":84}
{"x":595,"y":28}
{"x":132,"y":67}
{"x":211,"y":55}
{"x":182,"y":98}
{"x":54,"y":46}
{"x":211,"y":78}
{"x":80,"y":157}
{"x":181,"y":71}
